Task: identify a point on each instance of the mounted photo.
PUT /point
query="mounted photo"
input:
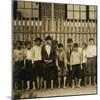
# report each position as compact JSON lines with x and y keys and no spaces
{"x":54,"y":50}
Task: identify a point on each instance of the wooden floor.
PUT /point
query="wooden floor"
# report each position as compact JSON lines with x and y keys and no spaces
{"x":56,"y":92}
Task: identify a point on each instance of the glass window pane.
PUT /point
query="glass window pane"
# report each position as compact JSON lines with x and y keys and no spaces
{"x":76,"y":7}
{"x":35,"y":13}
{"x":91,"y":15}
{"x":91,"y":8}
{"x":20,"y":4}
{"x":83,"y":8}
{"x":70,"y":7}
{"x":83,"y":15}
{"x":20,"y":12}
{"x":76,"y":14}
{"x":28,"y":4}
{"x":70,"y":14}
{"x":35,"y":5}
{"x":27,"y":13}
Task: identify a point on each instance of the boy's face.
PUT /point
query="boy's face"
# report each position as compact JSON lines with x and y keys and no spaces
{"x":29,"y":46}
{"x":18,"y":45}
{"x":38,"y":42}
{"x":70,"y":44}
{"x":75,"y":49}
{"x":83,"y":46}
{"x":91,"y":42}
{"x":60,"y":49}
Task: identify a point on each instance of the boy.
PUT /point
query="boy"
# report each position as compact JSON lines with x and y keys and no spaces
{"x":29,"y":70}
{"x":18,"y":56}
{"x":84,"y":62}
{"x":91,"y":61}
{"x":76,"y":65}
{"x":37,"y":61}
{"x":62,"y":65}
{"x":69,"y":51}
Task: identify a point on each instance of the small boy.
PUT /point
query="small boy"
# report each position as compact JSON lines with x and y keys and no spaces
{"x":76,"y":65}
{"x":18,"y":59}
{"x":91,"y":61}
{"x":29,"y":70}
{"x":84,"y":62}
{"x":62,"y":65}
{"x":37,"y":61}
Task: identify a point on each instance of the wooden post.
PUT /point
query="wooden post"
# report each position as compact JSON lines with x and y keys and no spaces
{"x":52,"y":17}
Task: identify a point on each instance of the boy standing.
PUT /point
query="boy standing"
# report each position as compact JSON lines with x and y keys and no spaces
{"x":29,"y":70}
{"x":62,"y":65}
{"x":91,"y":61}
{"x":18,"y":64}
{"x":76,"y":65}
{"x":37,"y":61}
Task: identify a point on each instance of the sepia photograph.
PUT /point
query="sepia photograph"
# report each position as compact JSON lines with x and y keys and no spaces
{"x":54,"y":49}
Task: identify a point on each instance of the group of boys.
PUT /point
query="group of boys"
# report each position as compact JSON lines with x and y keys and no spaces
{"x":48,"y":63}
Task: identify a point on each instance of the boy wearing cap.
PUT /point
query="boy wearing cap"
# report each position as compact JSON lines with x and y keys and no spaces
{"x":37,"y":61}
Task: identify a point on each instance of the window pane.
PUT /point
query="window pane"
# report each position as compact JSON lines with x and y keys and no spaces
{"x":35,"y":13}
{"x":70,"y":14}
{"x":27,"y":13}
{"x":76,"y":14}
{"x":35,"y":5}
{"x":83,"y":15}
{"x":76,"y":7}
{"x":20,"y":12}
{"x":83,"y":8}
{"x":70,"y":7}
{"x":20,"y":4}
{"x":91,"y":15}
{"x":28,"y":5}
{"x":91,"y":8}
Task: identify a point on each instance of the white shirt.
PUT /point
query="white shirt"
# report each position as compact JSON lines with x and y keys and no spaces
{"x":29,"y":55}
{"x":91,"y":51}
{"x":18,"y":55}
{"x":36,"y":50}
{"x":84,"y":56}
{"x":75,"y":58}
{"x":48,"y":49}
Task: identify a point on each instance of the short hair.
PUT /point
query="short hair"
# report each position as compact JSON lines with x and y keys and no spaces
{"x":19,"y":42}
{"x":27,"y":43}
{"x":91,"y":39}
{"x":60,"y":45}
{"x":75,"y":45}
{"x":69,"y":40}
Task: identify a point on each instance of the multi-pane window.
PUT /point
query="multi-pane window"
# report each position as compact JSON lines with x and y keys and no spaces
{"x":76,"y":11}
{"x":27,"y":9}
{"x":92,"y":12}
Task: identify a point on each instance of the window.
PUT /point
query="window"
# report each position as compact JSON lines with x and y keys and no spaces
{"x":76,"y":11}
{"x":92,"y":12}
{"x":27,"y":9}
